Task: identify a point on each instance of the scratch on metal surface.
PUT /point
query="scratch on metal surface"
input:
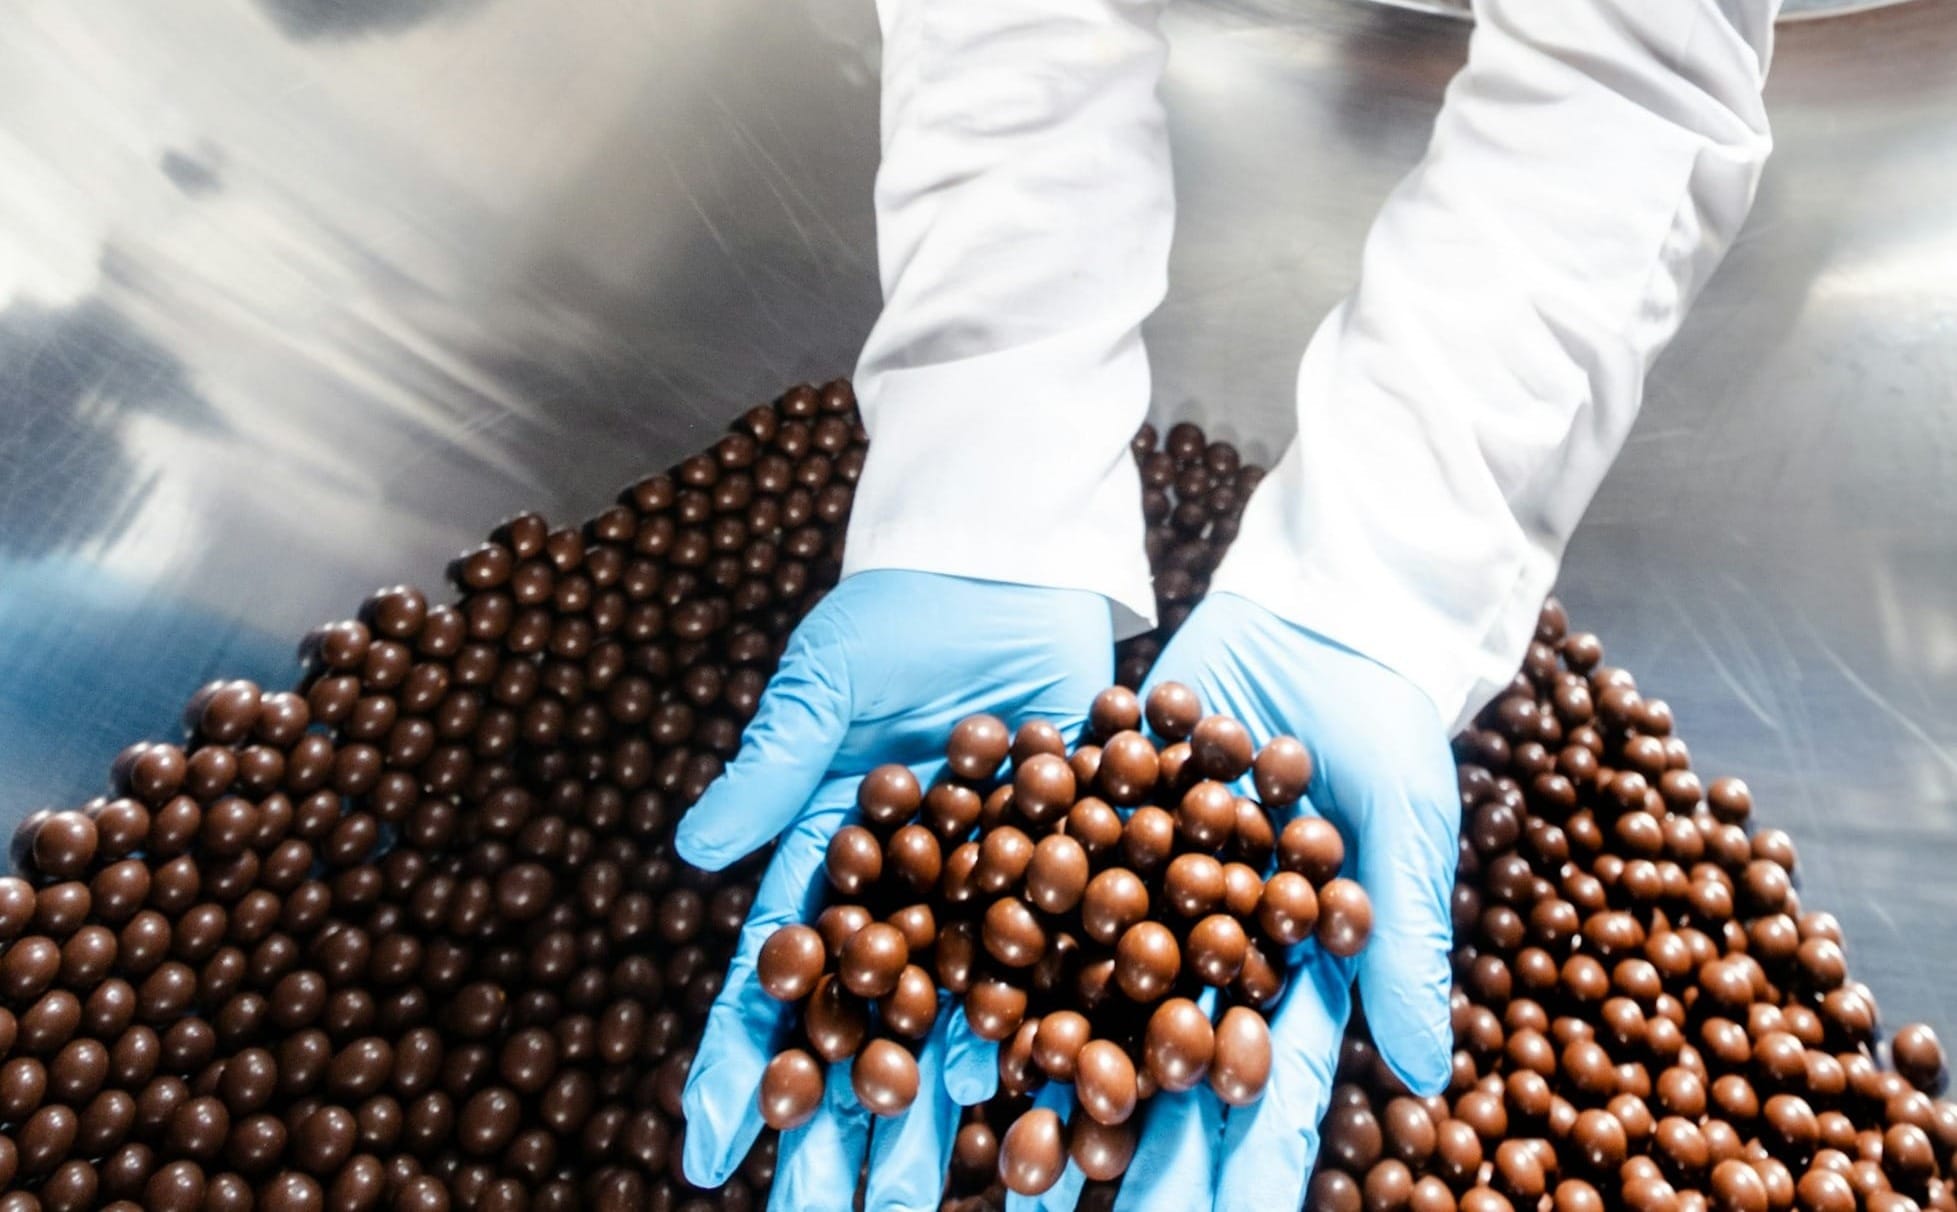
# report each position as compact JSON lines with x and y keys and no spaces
{"x":1712,"y":653}
{"x":721,"y":242}
{"x":774,"y":171}
{"x":651,"y":370}
{"x":1649,"y":437}
{"x":1877,"y":909}
{"x":1877,"y":698}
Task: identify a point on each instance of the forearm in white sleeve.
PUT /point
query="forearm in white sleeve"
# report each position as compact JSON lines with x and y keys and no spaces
{"x":1589,"y":168}
{"x":1024,"y":210}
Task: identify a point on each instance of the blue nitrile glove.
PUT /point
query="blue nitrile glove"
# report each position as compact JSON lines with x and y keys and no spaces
{"x":878,"y":672}
{"x":1383,"y":774}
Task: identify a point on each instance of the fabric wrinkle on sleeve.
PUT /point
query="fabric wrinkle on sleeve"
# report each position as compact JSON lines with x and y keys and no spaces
{"x":1590,"y":166}
{"x":1024,"y":212}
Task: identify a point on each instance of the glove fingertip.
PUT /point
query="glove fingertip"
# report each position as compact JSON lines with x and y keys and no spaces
{"x":1062,"y":1196}
{"x":1420,"y":1054}
{"x":696,"y":850}
{"x":730,"y":821}
{"x":1407,"y":1011}
{"x":971,"y":1064}
{"x":703,"y":1156}
{"x":1177,"y":1155}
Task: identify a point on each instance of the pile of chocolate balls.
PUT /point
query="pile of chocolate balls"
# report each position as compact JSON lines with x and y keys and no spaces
{"x":1027,"y":897}
{"x":412,"y":936}
{"x":1645,"y":1015}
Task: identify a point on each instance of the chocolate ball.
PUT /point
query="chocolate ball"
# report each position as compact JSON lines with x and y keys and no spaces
{"x":1241,"y":1065}
{"x":1194,"y":884}
{"x":791,"y":1089}
{"x":950,"y":810}
{"x":1116,"y":709}
{"x":994,"y":1009}
{"x":1919,"y":1056}
{"x":1057,"y":875}
{"x":1057,"y":1043}
{"x":1217,"y":948}
{"x":889,"y":795}
{"x":1205,"y":818}
{"x":790,"y":962}
{"x":1179,"y":1045}
{"x":1043,"y":788}
{"x":1737,"y":1187}
{"x":1221,"y":747}
{"x":836,"y":1020}
{"x":1312,"y":847}
{"x":1281,"y":772}
{"x":854,"y":860}
{"x":977,"y":746}
{"x":1011,"y":933}
{"x":1102,"y":1151}
{"x":1289,"y":910}
{"x":1105,"y":1082}
{"x":1345,"y":917}
{"x":872,"y":960}
{"x":64,"y":844}
{"x":1172,"y":710}
{"x":911,"y":1009}
{"x":1032,"y":1154}
{"x":1113,"y":902}
{"x":838,"y":923}
{"x":1147,"y":961}
{"x":1004,"y":855}
{"x":1095,"y":825}
{"x":885,"y":1078}
{"x":1129,"y":769}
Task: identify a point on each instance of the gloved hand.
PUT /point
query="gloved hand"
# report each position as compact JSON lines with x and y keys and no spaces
{"x":878,"y":672}
{"x":1383,"y":774}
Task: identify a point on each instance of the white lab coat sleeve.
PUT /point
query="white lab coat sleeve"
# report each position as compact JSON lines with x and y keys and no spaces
{"x":1589,"y":168}
{"x":1024,"y":209}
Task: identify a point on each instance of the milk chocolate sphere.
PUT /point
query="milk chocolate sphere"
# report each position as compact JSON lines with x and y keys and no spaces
{"x":977,"y":746}
{"x":1179,"y":1045}
{"x":1033,"y":1153}
{"x":872,"y":960}
{"x":1104,"y":1082}
{"x":1172,"y":710}
{"x":790,"y":961}
{"x":1240,"y":1066}
{"x":885,"y":1077}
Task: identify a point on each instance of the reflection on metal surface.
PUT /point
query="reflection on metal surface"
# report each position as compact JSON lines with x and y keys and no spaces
{"x":298,"y":296}
{"x":1790,"y":10}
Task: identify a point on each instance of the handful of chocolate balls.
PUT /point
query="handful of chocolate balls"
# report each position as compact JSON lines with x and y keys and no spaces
{"x":1024,"y":890}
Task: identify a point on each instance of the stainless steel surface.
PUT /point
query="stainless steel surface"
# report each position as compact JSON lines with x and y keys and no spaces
{"x":298,"y":296}
{"x":1790,"y":10}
